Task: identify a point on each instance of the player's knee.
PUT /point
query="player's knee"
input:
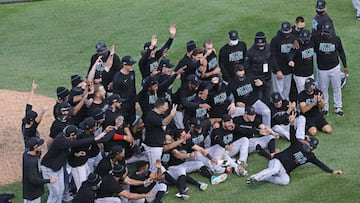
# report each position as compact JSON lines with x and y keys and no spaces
{"x":312,"y":131}
{"x":327,"y":129}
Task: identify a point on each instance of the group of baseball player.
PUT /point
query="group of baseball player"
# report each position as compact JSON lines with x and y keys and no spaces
{"x":228,"y":105}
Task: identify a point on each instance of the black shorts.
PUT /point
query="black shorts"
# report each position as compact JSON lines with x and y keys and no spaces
{"x":315,"y":121}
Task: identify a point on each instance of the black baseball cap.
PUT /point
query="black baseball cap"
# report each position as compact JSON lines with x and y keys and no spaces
{"x":190,"y":45}
{"x":285,"y":27}
{"x":35,"y":142}
{"x":118,"y":170}
{"x":233,"y":35}
{"x":30,"y":116}
{"x":147,"y":45}
{"x":94,"y":179}
{"x":226,"y":118}
{"x":193,"y":79}
{"x":98,"y":114}
{"x":128,"y":60}
{"x":249,"y":110}
{"x":71,"y":130}
{"x":115,"y":150}
{"x":87,"y":123}
{"x":114,"y":98}
{"x":320,"y":4}
{"x":100,"y":46}
{"x":196,"y":123}
{"x":165,"y":63}
{"x":276,"y":97}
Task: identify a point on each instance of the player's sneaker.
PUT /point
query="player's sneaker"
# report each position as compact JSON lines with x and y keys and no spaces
{"x":251,"y":181}
{"x":203,"y":186}
{"x":218,"y":179}
{"x":325,"y":112}
{"x":242,"y":167}
{"x":182,"y":196}
{"x":339,"y":112}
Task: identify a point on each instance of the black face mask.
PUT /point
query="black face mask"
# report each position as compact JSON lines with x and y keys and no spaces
{"x":326,"y":35}
{"x":320,"y":12}
{"x":305,"y":40}
{"x":285,"y":35}
{"x":241,"y":78}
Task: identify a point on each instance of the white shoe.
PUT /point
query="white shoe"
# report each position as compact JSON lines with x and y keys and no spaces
{"x":182,"y":196}
{"x":218,"y":179}
{"x":203,"y":186}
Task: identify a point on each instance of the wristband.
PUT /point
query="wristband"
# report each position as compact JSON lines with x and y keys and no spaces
{"x":209,"y":156}
{"x":119,"y":137}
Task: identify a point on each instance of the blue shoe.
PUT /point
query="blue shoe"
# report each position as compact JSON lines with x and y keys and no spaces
{"x":218,"y":179}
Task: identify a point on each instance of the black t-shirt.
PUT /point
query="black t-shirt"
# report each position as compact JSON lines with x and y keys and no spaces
{"x":247,"y":128}
{"x":110,"y":116}
{"x":75,"y":160}
{"x":280,"y":49}
{"x":295,"y":155}
{"x":125,"y":86}
{"x":33,"y":183}
{"x":85,"y":194}
{"x":229,"y":56}
{"x":303,"y":58}
{"x":219,"y":100}
{"x":109,"y":187}
{"x":244,"y":91}
{"x":168,"y":159}
{"x":304,"y":97}
{"x":141,"y":176}
{"x":154,"y":133}
{"x":222,"y":137}
{"x":57,"y":127}
{"x":279,"y":115}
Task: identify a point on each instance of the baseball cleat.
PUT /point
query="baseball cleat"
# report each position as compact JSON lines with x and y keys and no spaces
{"x":182,"y":196}
{"x":339,"y":112}
{"x":218,"y":179}
{"x":251,"y":181}
{"x":242,"y":168}
{"x":203,"y":186}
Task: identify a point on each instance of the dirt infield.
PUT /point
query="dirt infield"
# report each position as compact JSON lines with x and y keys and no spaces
{"x":12,"y":105}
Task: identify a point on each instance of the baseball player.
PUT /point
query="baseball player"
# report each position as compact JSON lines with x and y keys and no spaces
{"x":298,"y":153}
{"x":110,"y":64}
{"x":56,"y":157}
{"x":311,"y":102}
{"x":32,"y":181}
{"x":124,"y":85}
{"x":31,"y":120}
{"x":210,"y":66}
{"x":250,"y":125}
{"x":232,"y":53}
{"x":157,"y":187}
{"x":280,"y":112}
{"x":329,"y":49}
{"x":321,"y":17}
{"x":114,"y":186}
{"x":257,"y":64}
{"x":87,"y":191}
{"x":281,"y":45}
{"x":244,"y":88}
{"x":155,"y":123}
{"x":302,"y":59}
{"x":225,"y":137}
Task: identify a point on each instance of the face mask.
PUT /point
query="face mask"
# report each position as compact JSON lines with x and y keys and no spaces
{"x":285,"y":35}
{"x":320,"y":12}
{"x":104,"y":56}
{"x":326,"y":35}
{"x":261,"y":47}
{"x":234,"y":42}
{"x":241,"y":78}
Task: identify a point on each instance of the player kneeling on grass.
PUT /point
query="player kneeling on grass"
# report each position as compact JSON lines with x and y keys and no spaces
{"x":297,"y":154}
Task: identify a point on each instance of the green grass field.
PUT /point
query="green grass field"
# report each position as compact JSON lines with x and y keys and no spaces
{"x":50,"y":40}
